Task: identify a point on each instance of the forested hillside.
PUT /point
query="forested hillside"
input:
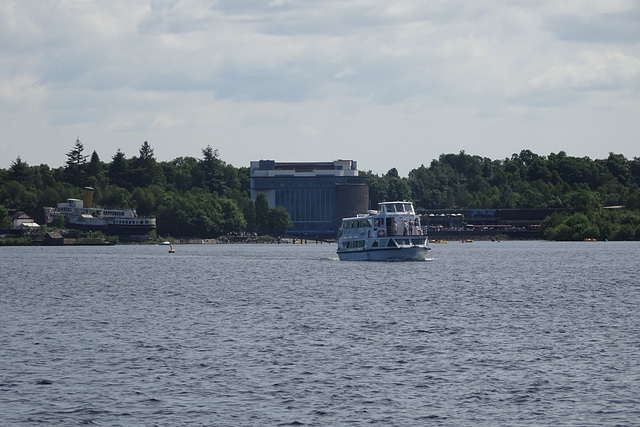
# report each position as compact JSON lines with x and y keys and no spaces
{"x":190,"y":197}
{"x":528,"y":180}
{"x":206,"y":197}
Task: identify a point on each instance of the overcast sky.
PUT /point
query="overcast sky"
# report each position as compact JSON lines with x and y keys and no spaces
{"x":386,"y":83}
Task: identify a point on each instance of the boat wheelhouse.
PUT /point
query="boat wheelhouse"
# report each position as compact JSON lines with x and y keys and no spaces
{"x":391,"y":233}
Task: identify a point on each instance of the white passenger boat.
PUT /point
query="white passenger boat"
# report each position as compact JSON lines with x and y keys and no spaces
{"x":392,"y":233}
{"x":82,"y":215}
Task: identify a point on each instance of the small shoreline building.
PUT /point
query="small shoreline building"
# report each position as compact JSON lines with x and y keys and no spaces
{"x":22,"y":220}
{"x":317,"y":195}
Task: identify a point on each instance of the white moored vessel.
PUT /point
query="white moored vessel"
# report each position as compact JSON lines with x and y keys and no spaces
{"x":82,"y":215}
{"x":392,"y":233}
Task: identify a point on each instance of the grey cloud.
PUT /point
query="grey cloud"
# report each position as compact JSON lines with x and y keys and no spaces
{"x":603,"y":28}
{"x":283,"y":87}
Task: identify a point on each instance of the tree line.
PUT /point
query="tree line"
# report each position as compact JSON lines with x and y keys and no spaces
{"x":580,"y":186}
{"x":189,"y":197}
{"x":206,"y":197}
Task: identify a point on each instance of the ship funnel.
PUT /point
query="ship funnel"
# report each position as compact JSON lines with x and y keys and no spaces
{"x":88,"y":197}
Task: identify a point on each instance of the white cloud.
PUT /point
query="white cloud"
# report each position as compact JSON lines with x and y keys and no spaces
{"x":591,"y":71}
{"x":345,"y":72}
{"x":330,"y":76}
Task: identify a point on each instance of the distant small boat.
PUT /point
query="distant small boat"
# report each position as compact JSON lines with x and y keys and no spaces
{"x":166,"y":243}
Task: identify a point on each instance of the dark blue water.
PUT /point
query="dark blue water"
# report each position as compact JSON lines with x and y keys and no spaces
{"x":512,"y":333}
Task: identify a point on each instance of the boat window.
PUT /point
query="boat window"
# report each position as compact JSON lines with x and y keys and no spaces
{"x":391,"y":244}
{"x":403,"y":207}
{"x":354,"y":244}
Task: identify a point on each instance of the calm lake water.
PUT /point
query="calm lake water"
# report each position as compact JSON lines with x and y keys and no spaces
{"x":482,"y":334}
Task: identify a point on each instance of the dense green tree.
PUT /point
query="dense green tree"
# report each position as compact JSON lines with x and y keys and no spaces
{"x":378,"y":188}
{"x":75,"y":166}
{"x":213,"y":170}
{"x":634,"y":170}
{"x":14,"y":195}
{"x":393,"y":173}
{"x":119,"y":170}
{"x":194,"y":215}
{"x":388,"y":187}
{"x":113,"y":196}
{"x":43,"y":177}
{"x":279,"y":221}
{"x":612,"y":224}
{"x":398,"y":189}
{"x":262,"y":212}
{"x":631,"y":197}
{"x":183,"y":173}
{"x":538,"y":170}
{"x":95,"y":171}
{"x":146,"y":170}
{"x":583,"y":200}
{"x":619,"y":168}
{"x":50,"y":196}
{"x":232,"y":219}
{"x":231,"y":180}
{"x":5,"y":221}
{"x":144,"y":201}
{"x":19,"y":171}
{"x":146,"y":153}
{"x":244,"y":182}
{"x":248,"y":208}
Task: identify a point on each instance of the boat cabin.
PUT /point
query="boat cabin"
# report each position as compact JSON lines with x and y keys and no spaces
{"x":391,"y":219}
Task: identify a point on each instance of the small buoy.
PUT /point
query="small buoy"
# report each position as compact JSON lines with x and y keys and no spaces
{"x":171,"y":251}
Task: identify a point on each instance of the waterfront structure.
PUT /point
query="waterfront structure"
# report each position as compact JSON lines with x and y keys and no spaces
{"x":82,"y":215}
{"x":22,"y":220}
{"x":317,"y":195}
{"x":463,"y":223}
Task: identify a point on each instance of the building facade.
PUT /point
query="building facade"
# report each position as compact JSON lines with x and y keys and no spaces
{"x":317,"y":195}
{"x":23,"y":220}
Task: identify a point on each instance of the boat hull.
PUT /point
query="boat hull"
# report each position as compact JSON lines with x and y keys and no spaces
{"x":416,"y":253}
{"x":87,"y":224}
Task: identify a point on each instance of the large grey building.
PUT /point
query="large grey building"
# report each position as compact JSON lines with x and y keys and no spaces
{"x":317,"y":195}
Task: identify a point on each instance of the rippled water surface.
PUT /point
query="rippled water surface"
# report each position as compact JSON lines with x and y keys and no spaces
{"x":511,"y":333}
